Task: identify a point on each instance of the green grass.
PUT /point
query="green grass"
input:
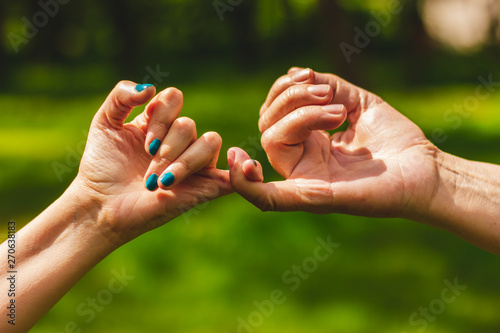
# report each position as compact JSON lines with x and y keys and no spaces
{"x":203,"y":275}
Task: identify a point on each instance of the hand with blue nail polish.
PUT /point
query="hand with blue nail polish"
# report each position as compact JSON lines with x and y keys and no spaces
{"x":133,"y":177}
{"x":151,"y":170}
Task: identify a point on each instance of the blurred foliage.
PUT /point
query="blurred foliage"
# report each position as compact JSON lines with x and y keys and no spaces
{"x":203,"y":271}
{"x":90,"y":45}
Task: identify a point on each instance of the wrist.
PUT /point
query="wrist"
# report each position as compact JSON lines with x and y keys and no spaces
{"x":422,"y":182}
{"x":86,"y":217}
{"x":55,"y":250}
{"x":439,"y":205}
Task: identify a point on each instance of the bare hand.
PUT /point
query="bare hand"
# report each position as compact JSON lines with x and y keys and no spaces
{"x":382,"y":165}
{"x":117,"y":166}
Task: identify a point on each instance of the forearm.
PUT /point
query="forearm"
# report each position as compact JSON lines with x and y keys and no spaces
{"x":52,"y":253}
{"x":467,"y":201}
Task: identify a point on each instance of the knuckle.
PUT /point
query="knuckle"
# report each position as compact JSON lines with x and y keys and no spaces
{"x":298,"y":90}
{"x":263,"y":109}
{"x":121,"y":85}
{"x":269,"y":140}
{"x":283,"y":81}
{"x":173,"y":95}
{"x":213,"y":140}
{"x":185,"y":125}
{"x":293,"y":95}
{"x":164,"y":160}
{"x":263,"y":123}
{"x":302,"y":112}
{"x":183,"y":164}
{"x":164,"y":154}
{"x":281,"y":84}
{"x":289,"y":94}
{"x":265,"y":139}
{"x":305,"y":114}
{"x":120,"y":98}
{"x":309,"y":113}
{"x":118,"y":104}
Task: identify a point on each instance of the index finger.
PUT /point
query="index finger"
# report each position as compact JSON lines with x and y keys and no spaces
{"x":305,"y":76}
{"x":353,"y":97}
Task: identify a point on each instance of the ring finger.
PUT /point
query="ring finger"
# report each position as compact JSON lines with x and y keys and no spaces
{"x":180,"y":136}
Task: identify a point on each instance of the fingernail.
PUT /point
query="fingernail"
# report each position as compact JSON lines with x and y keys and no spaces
{"x":254,"y":163}
{"x":141,"y":87}
{"x":154,"y":146}
{"x":167,"y":179}
{"x":152,"y":182}
{"x":320,"y":90}
{"x":301,"y":76}
{"x":335,"y":109}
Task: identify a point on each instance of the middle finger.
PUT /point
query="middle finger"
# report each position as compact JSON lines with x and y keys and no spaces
{"x":293,"y":98}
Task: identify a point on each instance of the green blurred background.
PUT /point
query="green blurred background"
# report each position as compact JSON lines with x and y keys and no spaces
{"x":204,"y":271}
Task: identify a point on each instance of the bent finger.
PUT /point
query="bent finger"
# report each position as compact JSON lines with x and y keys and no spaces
{"x":275,"y":196}
{"x":293,"y":98}
{"x":162,"y":112}
{"x":297,"y":126}
{"x":305,"y":76}
{"x":295,"y":69}
{"x":180,"y":136}
{"x":283,"y":141}
{"x":123,"y":98}
{"x":203,"y":153}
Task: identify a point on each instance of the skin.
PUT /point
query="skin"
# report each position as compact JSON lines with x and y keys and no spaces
{"x":381,"y":166}
{"x":107,"y":204}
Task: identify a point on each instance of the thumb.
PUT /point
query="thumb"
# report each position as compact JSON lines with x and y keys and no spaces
{"x":123,"y":98}
{"x":246,"y":179}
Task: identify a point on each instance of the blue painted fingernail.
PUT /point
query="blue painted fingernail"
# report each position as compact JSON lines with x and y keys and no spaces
{"x":167,"y":179}
{"x":154,"y":146}
{"x":152,"y":182}
{"x":254,"y":163}
{"x":141,"y":87}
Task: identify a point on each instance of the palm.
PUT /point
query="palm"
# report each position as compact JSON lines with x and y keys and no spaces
{"x":382,"y":165}
{"x":371,"y":167}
